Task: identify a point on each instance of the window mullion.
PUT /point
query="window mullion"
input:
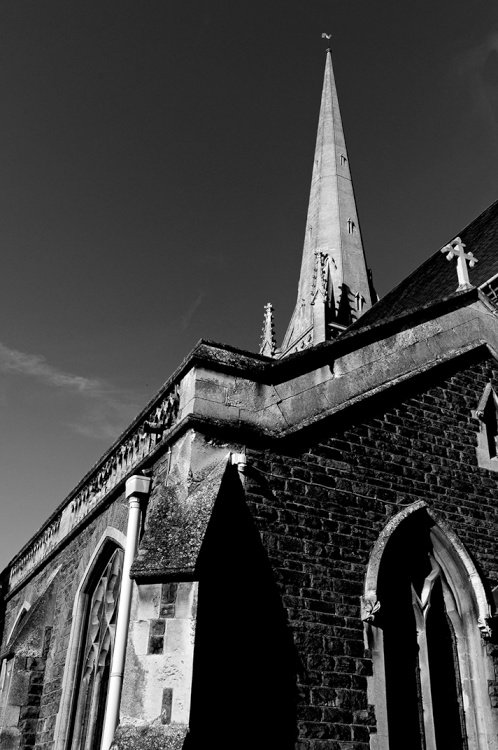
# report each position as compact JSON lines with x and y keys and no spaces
{"x":425,"y":684}
{"x":424,"y":671}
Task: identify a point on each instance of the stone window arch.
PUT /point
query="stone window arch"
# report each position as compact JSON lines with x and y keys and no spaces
{"x":25,"y":607}
{"x":86,"y":673}
{"x":487,"y":437}
{"x":425,"y":612}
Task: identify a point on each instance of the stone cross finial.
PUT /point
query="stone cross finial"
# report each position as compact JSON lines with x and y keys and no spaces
{"x":268,"y":343}
{"x":455,"y":249}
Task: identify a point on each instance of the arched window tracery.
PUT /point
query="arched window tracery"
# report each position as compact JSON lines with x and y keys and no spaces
{"x":424,"y":608}
{"x":487,"y":437}
{"x":96,"y":653}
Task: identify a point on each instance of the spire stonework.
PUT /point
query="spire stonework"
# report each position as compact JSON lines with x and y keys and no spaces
{"x":268,"y":342}
{"x":332,"y":234}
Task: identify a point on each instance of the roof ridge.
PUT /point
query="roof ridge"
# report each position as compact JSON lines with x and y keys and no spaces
{"x":405,"y":282}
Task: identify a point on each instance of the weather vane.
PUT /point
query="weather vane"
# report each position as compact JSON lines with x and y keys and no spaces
{"x":328,"y":37}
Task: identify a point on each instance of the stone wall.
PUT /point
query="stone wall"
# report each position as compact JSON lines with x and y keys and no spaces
{"x":157,"y":683}
{"x":44,"y":660}
{"x":30,"y":711}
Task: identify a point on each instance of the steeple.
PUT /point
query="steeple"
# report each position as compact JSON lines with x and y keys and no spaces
{"x":334,"y":285}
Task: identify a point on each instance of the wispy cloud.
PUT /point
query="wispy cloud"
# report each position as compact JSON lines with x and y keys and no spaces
{"x":103,"y":410}
{"x":105,"y":418}
{"x":36,"y":366}
{"x":478,"y":67}
{"x":187,"y":316}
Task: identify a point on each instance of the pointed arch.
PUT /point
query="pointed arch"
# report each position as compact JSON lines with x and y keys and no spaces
{"x":487,"y":436}
{"x":453,"y":557}
{"x":23,"y":611}
{"x":29,"y":609}
{"x":111,"y":540}
{"x":422,"y":588}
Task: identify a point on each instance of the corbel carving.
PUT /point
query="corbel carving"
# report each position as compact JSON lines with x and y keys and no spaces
{"x":370,"y":605}
{"x":484,"y":628}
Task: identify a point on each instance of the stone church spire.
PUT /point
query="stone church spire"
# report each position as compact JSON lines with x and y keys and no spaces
{"x":334,"y":285}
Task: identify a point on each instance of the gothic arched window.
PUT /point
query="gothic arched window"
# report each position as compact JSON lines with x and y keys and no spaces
{"x":419,"y":645}
{"x":425,"y":613}
{"x":97,"y":640}
{"x":487,"y":437}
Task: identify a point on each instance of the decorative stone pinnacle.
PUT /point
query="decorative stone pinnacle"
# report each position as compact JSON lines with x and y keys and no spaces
{"x":268,"y":342}
{"x":455,"y":249}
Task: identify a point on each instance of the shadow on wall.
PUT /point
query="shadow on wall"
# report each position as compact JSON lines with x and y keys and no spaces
{"x":244,"y":681}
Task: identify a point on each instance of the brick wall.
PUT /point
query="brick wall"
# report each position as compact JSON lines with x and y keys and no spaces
{"x":323,"y":506}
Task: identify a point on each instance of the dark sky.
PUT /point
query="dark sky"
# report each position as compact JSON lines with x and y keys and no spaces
{"x":155,"y":168}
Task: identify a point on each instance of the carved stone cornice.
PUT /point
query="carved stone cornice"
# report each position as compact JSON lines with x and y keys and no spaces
{"x":135,"y":446}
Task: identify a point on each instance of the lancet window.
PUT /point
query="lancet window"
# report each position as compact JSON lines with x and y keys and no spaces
{"x":97,"y":641}
{"x":487,"y":438}
{"x":419,"y":646}
{"x":425,"y":628}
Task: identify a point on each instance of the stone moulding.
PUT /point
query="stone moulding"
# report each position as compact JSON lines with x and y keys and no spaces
{"x":126,"y":455}
{"x":451,"y":551}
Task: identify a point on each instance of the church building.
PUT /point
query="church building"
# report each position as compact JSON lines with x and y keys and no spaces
{"x":295,"y":549}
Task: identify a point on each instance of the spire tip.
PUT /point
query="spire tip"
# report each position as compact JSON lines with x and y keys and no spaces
{"x":328,"y":37}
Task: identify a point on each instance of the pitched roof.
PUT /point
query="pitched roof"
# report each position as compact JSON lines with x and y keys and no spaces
{"x":436,"y":278}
